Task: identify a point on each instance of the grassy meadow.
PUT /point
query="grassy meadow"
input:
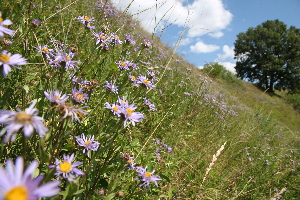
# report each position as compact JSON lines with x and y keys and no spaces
{"x":103,"y":110}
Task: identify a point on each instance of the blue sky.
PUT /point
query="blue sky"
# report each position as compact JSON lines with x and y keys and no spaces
{"x":212,"y":24}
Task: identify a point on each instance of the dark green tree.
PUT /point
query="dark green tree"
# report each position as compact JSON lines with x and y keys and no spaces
{"x":269,"y":55}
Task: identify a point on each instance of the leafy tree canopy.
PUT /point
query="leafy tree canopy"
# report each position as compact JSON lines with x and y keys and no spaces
{"x":269,"y":55}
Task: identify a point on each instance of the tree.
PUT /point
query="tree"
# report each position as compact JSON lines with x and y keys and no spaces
{"x":269,"y":55}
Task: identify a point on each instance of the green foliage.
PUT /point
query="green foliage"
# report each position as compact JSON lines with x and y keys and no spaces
{"x":217,"y":70}
{"x":293,"y":99}
{"x":269,"y":55}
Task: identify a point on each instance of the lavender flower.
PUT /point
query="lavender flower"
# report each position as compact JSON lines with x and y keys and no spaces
{"x":79,"y":96}
{"x":4,"y":30}
{"x":123,"y":107}
{"x":56,"y":96}
{"x":110,"y":86}
{"x":129,"y":39}
{"x":134,"y":80}
{"x":148,"y":83}
{"x":147,"y":43}
{"x":115,"y":109}
{"x":64,"y":59}
{"x":6,"y":60}
{"x":131,"y":116}
{"x":66,"y":168}
{"x":86,"y":21}
{"x":26,"y":120}
{"x":116,"y":39}
{"x":36,"y":22}
{"x":101,"y":38}
{"x":44,"y":49}
{"x":147,"y":177}
{"x":16,"y":184}
{"x":87,"y":142}
{"x":149,"y":104}
{"x":123,"y":65}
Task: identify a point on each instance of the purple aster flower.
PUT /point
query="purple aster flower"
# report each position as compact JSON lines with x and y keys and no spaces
{"x":6,"y":60}
{"x":101,"y":38}
{"x":44,"y":49}
{"x":131,"y":116}
{"x":147,"y":177}
{"x":87,"y":142}
{"x":148,"y":83}
{"x":26,"y":120}
{"x":133,"y":79}
{"x":129,"y":39}
{"x":115,"y":109}
{"x":110,"y":86}
{"x":64,"y":59}
{"x":17,"y":184}
{"x":56,"y":96}
{"x":7,"y":42}
{"x":4,"y":30}
{"x":66,"y":168}
{"x":79,"y":96}
{"x":36,"y":22}
{"x":147,"y":43}
{"x":123,"y":65}
{"x":86,"y":21}
{"x":116,"y":39}
{"x":149,"y":104}
{"x":122,"y":102}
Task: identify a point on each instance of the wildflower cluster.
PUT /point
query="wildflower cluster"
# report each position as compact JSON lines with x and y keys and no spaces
{"x":123,"y":109}
{"x":145,"y":176}
{"x":65,"y":108}
{"x":162,"y":146}
{"x":59,"y":56}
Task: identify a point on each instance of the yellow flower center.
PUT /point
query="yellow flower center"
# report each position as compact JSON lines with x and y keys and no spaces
{"x":116,"y":37}
{"x":17,"y":193}
{"x":102,"y":37}
{"x":4,"y":58}
{"x":86,"y":18}
{"x":1,"y":19}
{"x":23,"y":118}
{"x":129,"y":111}
{"x":87,"y":143}
{"x":146,"y":81}
{"x":133,"y":78}
{"x":57,"y":97}
{"x":79,"y":97}
{"x":65,"y":166}
{"x":123,"y":64}
{"x":115,"y":108}
{"x":45,"y":49}
{"x":147,"y":174}
{"x":68,"y":57}
{"x":130,"y":160}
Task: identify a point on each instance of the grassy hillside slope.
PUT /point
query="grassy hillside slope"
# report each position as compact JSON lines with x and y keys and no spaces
{"x":141,"y":122}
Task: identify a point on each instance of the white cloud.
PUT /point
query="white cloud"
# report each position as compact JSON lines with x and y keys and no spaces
{"x":203,"y":16}
{"x":229,"y":66}
{"x":228,"y":52}
{"x":216,"y":34}
{"x":201,"y":47}
{"x":185,"y":41}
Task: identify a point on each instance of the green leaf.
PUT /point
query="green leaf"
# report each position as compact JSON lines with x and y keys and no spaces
{"x":110,"y":196}
{"x":26,"y":88}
